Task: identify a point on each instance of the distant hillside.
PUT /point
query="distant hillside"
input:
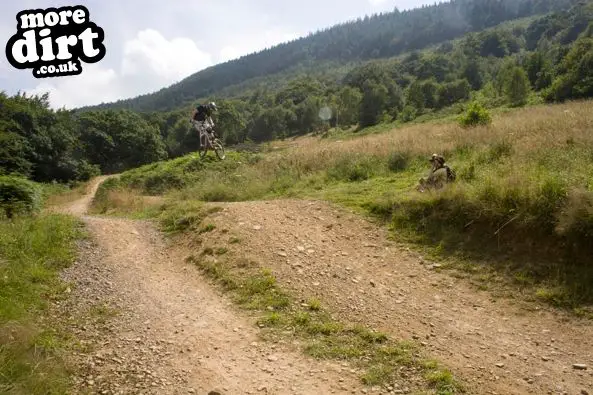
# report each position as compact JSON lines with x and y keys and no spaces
{"x":378,"y":36}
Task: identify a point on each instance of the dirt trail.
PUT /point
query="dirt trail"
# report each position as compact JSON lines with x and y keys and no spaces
{"x":494,"y":345}
{"x":173,"y":333}
{"x":79,"y":207}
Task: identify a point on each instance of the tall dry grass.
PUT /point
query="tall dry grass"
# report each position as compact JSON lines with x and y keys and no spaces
{"x":124,"y":202}
{"x":528,"y":130}
{"x":58,"y":195}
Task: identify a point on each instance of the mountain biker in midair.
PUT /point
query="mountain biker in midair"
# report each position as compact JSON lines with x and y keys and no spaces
{"x":201,"y":118}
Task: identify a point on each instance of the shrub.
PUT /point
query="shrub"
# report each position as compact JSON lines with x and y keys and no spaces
{"x":516,"y":87}
{"x":468,"y":173}
{"x":18,"y":196}
{"x":496,"y":152}
{"x":408,"y":114}
{"x":353,"y":169}
{"x":575,"y":220}
{"x":398,"y":161}
{"x":86,"y":171}
{"x":476,"y":115}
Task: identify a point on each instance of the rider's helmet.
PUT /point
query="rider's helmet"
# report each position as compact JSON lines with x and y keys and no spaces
{"x":437,"y":159}
{"x":212,"y":106}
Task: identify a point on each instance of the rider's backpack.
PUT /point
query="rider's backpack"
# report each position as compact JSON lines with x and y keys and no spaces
{"x":201,"y":114}
{"x":451,"y":176}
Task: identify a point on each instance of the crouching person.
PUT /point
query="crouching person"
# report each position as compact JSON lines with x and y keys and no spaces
{"x":440,"y":174}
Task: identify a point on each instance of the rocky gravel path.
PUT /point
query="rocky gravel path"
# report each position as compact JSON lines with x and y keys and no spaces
{"x":149,"y":324}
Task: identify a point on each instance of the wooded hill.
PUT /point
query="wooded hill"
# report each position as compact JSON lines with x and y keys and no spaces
{"x":372,"y":37}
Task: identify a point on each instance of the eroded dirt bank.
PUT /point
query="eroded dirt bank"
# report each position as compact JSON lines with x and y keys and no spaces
{"x":496,"y":346}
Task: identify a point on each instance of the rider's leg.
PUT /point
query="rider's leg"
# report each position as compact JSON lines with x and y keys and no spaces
{"x":199,"y":128}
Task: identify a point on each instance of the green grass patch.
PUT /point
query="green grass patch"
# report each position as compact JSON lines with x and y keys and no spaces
{"x":207,"y":228}
{"x":314,"y":304}
{"x":216,"y":272}
{"x":186,"y":215}
{"x":398,"y":161}
{"x":160,"y":177}
{"x":515,"y":229}
{"x":181,"y":216}
{"x":102,"y":313}
{"x":270,"y":320}
{"x":32,"y":252}
{"x":442,"y":381}
{"x":355,"y":167}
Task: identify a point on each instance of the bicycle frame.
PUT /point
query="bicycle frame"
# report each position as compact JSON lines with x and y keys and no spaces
{"x":207,"y":139}
{"x":202,"y":130}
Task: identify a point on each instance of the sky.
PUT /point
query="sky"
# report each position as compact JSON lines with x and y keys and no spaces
{"x":151,"y":44}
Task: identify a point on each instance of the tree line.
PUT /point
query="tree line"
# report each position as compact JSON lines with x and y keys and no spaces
{"x":46,"y":145}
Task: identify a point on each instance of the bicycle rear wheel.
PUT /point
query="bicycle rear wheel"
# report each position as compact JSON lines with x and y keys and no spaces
{"x":204,"y":147}
{"x":219,"y":149}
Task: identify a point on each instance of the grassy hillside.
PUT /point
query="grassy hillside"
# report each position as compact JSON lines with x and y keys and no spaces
{"x":523,"y":202}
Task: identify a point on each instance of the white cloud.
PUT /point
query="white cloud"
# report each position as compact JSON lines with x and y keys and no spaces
{"x":5,"y":67}
{"x":149,"y":62}
{"x":150,"y":53}
{"x":93,"y":85}
{"x":230,"y":53}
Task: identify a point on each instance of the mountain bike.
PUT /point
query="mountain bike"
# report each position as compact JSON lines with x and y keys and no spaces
{"x":208,"y":140}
